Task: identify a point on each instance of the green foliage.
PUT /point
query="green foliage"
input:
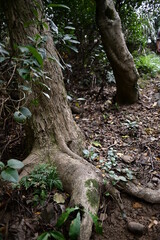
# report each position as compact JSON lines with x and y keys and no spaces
{"x":9,"y":172}
{"x":148,"y":65}
{"x":133,"y":26}
{"x":22,"y":115}
{"x":98,"y":226}
{"x":51,"y":234}
{"x":90,"y":154}
{"x":111,"y":168}
{"x":65,"y":216}
{"x":74,"y":228}
{"x":131,"y":124}
{"x":41,"y":180}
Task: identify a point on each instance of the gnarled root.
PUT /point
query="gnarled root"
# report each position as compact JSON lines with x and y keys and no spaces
{"x":147,"y":194}
{"x":80,"y":179}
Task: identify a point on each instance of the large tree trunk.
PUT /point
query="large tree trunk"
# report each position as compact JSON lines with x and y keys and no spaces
{"x":57,"y":138}
{"x":121,"y":60}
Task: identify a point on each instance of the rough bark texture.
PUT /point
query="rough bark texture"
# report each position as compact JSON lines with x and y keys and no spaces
{"x":121,"y":60}
{"x":57,"y":138}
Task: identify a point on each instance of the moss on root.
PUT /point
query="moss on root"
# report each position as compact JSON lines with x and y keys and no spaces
{"x":92,"y":192}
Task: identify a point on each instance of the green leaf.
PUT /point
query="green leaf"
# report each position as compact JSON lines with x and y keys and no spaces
{"x":23,"y":49}
{"x":58,"y":5}
{"x":23,"y":72}
{"x":45,"y":25}
{"x":2,"y":50}
{"x":2,"y":59}
{"x":15,"y":164}
{"x":70,"y":27}
{"x":74,"y":229}
{"x":65,"y":216}
{"x":26,"y":112}
{"x":44,"y":236}
{"x":25,"y":88}
{"x":96,"y":144}
{"x":86,"y":152}
{"x":57,"y":235}
{"x":46,"y":95}
{"x":10,"y":175}
{"x":19,"y":117}
{"x":56,"y":60}
{"x":36,"y":54}
{"x":73,"y":48}
{"x":121,"y":178}
{"x":1,"y":165}
{"x":98,"y":226}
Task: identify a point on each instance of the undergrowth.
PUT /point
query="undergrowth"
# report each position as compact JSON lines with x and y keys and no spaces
{"x":148,"y":65}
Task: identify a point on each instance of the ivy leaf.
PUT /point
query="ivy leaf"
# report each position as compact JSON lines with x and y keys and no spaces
{"x":19,"y":117}
{"x":15,"y":164}
{"x":26,"y":112}
{"x":1,"y":164}
{"x":36,"y":54}
{"x":74,"y":229}
{"x":10,"y":175}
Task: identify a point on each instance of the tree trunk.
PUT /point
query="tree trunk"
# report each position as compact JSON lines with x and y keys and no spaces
{"x":57,"y":138}
{"x":121,"y":60}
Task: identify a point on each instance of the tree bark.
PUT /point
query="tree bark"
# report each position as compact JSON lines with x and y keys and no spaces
{"x":57,"y":138}
{"x":121,"y":60}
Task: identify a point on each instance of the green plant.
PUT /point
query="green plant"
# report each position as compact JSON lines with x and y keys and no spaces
{"x":113,"y":171}
{"x":90,"y":153}
{"x":41,"y":180}
{"x":9,"y":172}
{"x":131,"y":127}
{"x":148,"y":65}
{"x":130,"y":124}
{"x":74,"y":228}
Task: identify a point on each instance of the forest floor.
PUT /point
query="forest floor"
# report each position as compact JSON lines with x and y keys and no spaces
{"x":129,"y":134}
{"x":134,"y":133}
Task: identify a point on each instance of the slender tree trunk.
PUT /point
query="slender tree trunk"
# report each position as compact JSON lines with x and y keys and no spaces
{"x":121,"y":60}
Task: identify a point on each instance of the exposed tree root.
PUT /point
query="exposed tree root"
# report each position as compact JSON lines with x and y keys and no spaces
{"x":84,"y":183}
{"x":80,"y":179}
{"x":147,"y":194}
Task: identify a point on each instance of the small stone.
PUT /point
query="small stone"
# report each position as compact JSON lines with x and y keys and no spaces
{"x":127,"y":158}
{"x":136,"y":228}
{"x":155,"y":179}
